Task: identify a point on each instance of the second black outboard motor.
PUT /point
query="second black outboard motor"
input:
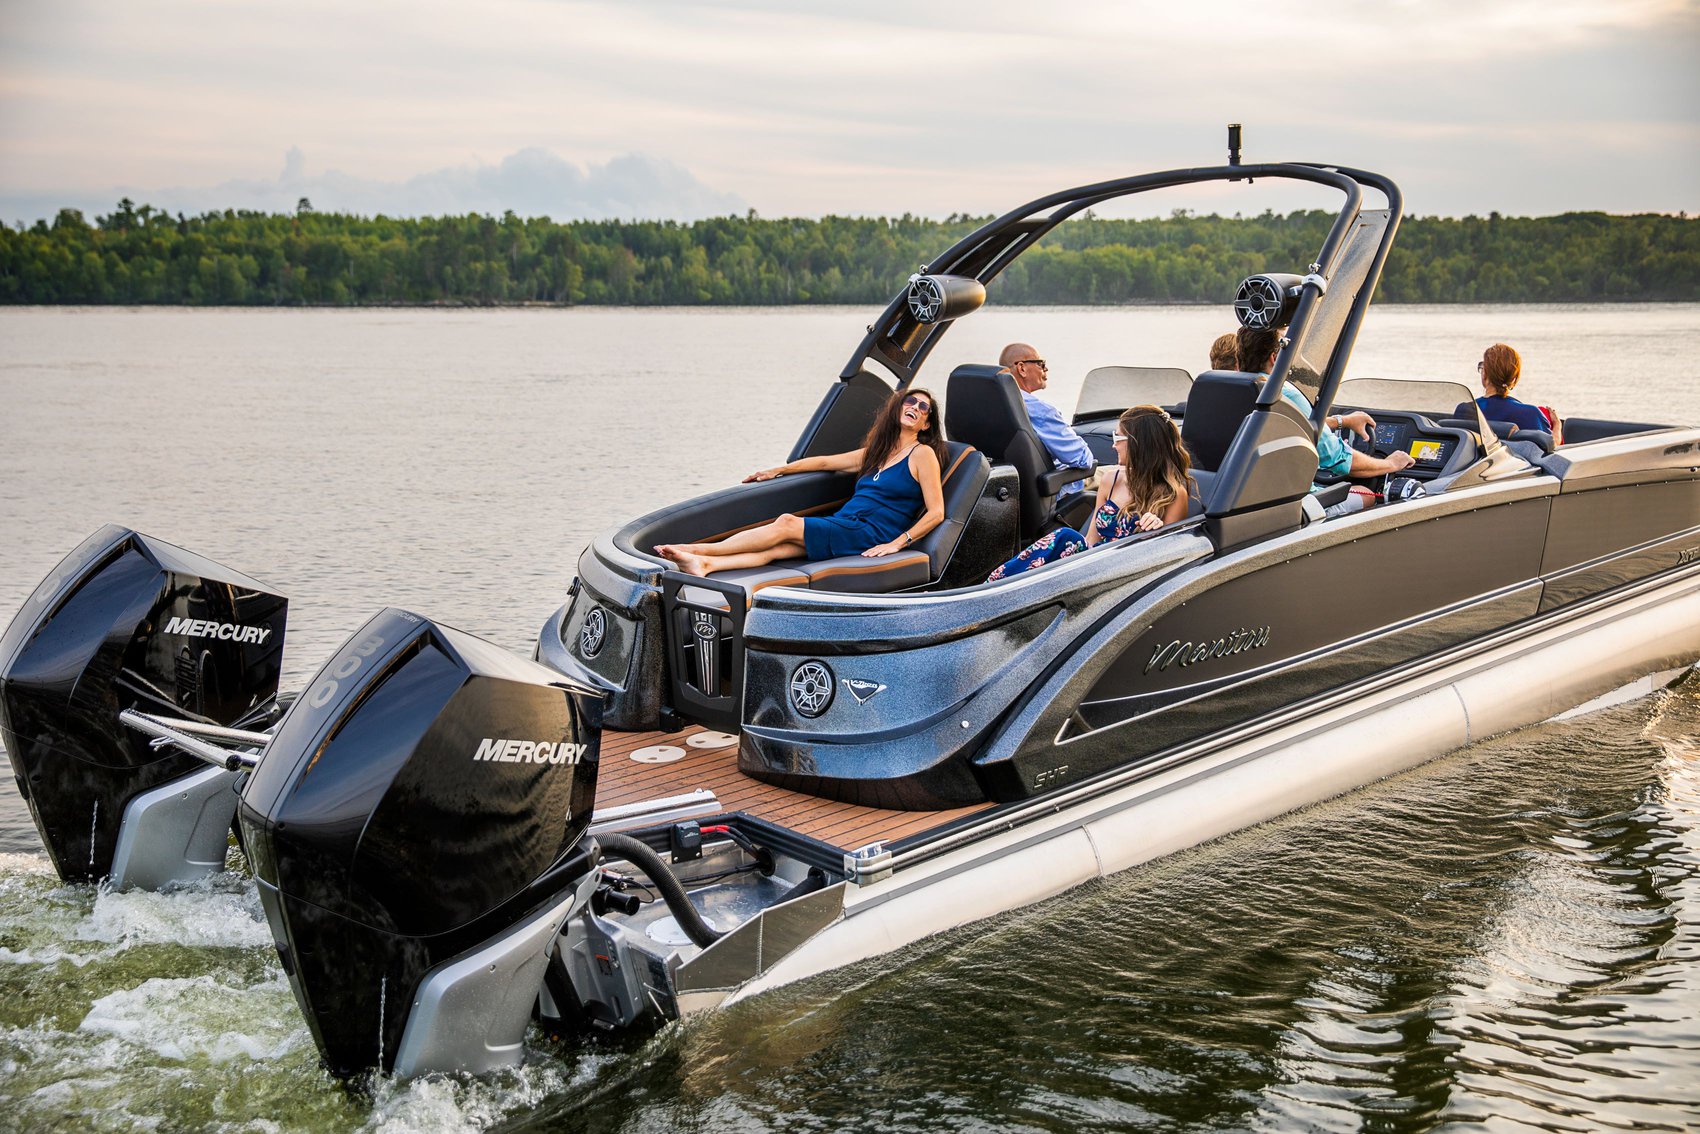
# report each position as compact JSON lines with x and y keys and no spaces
{"x":416,"y":831}
{"x":130,"y":622}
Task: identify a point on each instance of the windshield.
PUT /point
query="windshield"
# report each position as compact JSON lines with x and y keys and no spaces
{"x":1109,"y":390}
{"x":1325,"y":345}
{"x":1437,"y":400}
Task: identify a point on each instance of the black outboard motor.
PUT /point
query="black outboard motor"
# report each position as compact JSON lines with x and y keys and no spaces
{"x":416,"y":830}
{"x":129,"y":622}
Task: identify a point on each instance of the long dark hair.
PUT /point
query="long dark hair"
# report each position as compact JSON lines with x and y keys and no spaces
{"x":888,"y":426}
{"x":1156,"y":465}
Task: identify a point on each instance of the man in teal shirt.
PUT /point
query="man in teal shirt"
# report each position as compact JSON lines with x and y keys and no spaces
{"x":1257,"y":350}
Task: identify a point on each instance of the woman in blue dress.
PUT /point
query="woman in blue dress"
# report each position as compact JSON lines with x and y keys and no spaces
{"x":1149,"y":488}
{"x":898,"y":499}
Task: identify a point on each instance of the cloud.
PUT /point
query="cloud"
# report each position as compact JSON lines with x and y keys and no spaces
{"x":531,"y":182}
{"x":804,"y":107}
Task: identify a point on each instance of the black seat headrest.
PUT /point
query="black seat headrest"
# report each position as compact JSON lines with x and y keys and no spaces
{"x":983,"y":408}
{"x":1218,"y":402}
{"x":1504,"y":430}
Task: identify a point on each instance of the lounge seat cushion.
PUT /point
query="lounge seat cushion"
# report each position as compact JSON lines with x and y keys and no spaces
{"x":859,"y":574}
{"x":786,"y":573}
{"x":848,"y":574}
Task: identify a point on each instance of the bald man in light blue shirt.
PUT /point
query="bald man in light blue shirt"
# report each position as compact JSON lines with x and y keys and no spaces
{"x":1031,"y":375}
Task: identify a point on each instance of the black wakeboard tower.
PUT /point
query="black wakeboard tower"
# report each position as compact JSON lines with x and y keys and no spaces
{"x":1322,"y":310}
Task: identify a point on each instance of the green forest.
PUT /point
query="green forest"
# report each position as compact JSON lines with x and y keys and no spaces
{"x":141,"y":255}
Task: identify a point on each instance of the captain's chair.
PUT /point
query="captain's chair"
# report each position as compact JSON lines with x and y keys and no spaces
{"x":1218,"y":402}
{"x":1215,"y":406}
{"x":983,"y":408}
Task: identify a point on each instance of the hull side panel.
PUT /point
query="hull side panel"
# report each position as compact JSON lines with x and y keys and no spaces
{"x":1521,"y":682}
{"x":1607,"y":537}
{"x":1229,"y":644}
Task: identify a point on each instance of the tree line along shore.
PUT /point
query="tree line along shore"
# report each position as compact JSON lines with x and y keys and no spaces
{"x":141,"y":255}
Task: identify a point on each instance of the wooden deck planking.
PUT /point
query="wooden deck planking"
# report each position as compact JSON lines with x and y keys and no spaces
{"x":723,"y":782}
{"x":621,"y":780}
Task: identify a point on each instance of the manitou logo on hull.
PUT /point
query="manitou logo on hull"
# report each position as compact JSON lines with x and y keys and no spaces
{"x":529,"y":751}
{"x":1191,"y":653}
{"x":223,"y":631}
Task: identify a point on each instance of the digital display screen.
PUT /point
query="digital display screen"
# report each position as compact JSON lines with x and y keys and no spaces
{"x":1426,"y":452}
{"x":1389,"y":436}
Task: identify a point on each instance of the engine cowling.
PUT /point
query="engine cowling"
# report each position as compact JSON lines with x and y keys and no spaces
{"x":127,"y":621}
{"x":425,"y":796}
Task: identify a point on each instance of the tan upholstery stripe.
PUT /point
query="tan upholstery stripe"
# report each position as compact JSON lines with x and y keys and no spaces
{"x":967,"y":452}
{"x":870,"y":568}
{"x":787,"y":581}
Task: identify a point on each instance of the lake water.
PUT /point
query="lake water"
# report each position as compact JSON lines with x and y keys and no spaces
{"x":1509,"y":936}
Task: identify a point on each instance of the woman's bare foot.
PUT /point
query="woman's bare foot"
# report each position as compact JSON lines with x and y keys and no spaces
{"x":688,"y":563}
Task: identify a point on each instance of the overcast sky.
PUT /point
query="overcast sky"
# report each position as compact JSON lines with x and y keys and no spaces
{"x":791,"y":107}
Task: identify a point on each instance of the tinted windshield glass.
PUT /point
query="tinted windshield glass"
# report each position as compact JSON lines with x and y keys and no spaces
{"x":1437,"y":400}
{"x":1109,"y":390}
{"x":1322,"y":336}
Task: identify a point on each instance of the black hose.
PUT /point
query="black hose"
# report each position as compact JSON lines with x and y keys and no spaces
{"x":763,"y":856}
{"x":639,"y":855}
